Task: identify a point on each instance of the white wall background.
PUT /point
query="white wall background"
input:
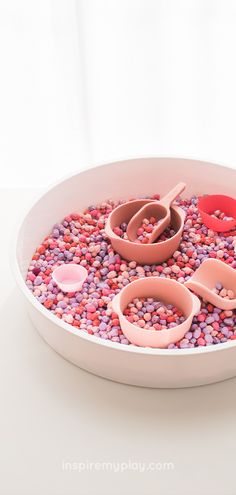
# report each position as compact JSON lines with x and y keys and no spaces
{"x":83,"y":81}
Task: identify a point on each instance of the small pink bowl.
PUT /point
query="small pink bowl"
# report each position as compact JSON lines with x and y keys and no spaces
{"x":70,"y":277}
{"x":208,"y":204}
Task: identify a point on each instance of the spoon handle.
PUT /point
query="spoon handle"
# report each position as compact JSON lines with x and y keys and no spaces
{"x":171,"y":195}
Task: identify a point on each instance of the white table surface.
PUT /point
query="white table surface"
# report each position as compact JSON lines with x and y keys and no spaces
{"x":52,"y":411}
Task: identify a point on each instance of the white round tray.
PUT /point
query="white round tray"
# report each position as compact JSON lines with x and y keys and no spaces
{"x":127,"y":364}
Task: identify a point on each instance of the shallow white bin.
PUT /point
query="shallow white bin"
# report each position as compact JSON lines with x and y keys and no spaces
{"x":126,"y":364}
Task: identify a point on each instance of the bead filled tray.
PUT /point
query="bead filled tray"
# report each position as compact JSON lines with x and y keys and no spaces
{"x":85,"y":325}
{"x":81,"y":238}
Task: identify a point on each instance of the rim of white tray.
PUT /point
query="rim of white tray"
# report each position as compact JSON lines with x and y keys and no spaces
{"x":66,"y":326}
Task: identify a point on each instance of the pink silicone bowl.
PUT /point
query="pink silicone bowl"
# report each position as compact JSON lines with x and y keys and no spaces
{"x":143,"y":253}
{"x":165,"y":290}
{"x":208,"y":204}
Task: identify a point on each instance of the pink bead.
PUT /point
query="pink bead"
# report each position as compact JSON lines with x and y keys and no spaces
{"x":201,"y":341}
{"x":90,"y":308}
{"x":201,"y":317}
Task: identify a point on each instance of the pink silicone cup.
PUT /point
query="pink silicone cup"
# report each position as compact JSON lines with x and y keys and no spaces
{"x":143,"y":253}
{"x":166,"y":290}
{"x":70,"y":277}
{"x":208,"y":204}
{"x":157,"y":209}
{"x":205,"y":278}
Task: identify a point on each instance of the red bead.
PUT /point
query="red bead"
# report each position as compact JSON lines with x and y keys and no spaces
{"x":212,"y":254}
{"x":66,"y":238}
{"x":41,"y":249}
{"x":116,"y":322}
{"x":189,"y":252}
{"x":210,"y":308}
{"x":48,"y":303}
{"x":201,"y":341}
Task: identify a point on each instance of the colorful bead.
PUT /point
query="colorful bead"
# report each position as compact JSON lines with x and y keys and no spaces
{"x":153,"y":314}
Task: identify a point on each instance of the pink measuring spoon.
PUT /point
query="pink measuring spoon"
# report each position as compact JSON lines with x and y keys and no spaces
{"x":157,"y":209}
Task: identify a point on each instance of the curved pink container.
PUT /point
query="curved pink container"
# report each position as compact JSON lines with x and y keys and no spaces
{"x":208,"y":204}
{"x":205,"y":278}
{"x":143,"y":253}
{"x":70,"y":277}
{"x":163,"y":289}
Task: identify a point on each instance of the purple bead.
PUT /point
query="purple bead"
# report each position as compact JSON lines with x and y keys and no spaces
{"x":105,"y":319}
{"x":197,"y":333}
{"x":184,"y":344}
{"x":209,"y":320}
{"x":207,"y":330}
{"x":62,"y":305}
{"x":228,"y":321}
{"x":95,"y":295}
{"x":225,"y":331}
{"x":188,"y":335}
{"x":55,"y":233}
{"x":111,"y":260}
{"x":102,"y":326}
{"x":38,"y":281}
{"x":155,"y":319}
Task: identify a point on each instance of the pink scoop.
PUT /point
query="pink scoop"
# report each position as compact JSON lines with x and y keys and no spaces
{"x":160,"y":210}
{"x":70,"y":277}
{"x":166,"y":290}
{"x":204,"y":279}
{"x":208,"y":204}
